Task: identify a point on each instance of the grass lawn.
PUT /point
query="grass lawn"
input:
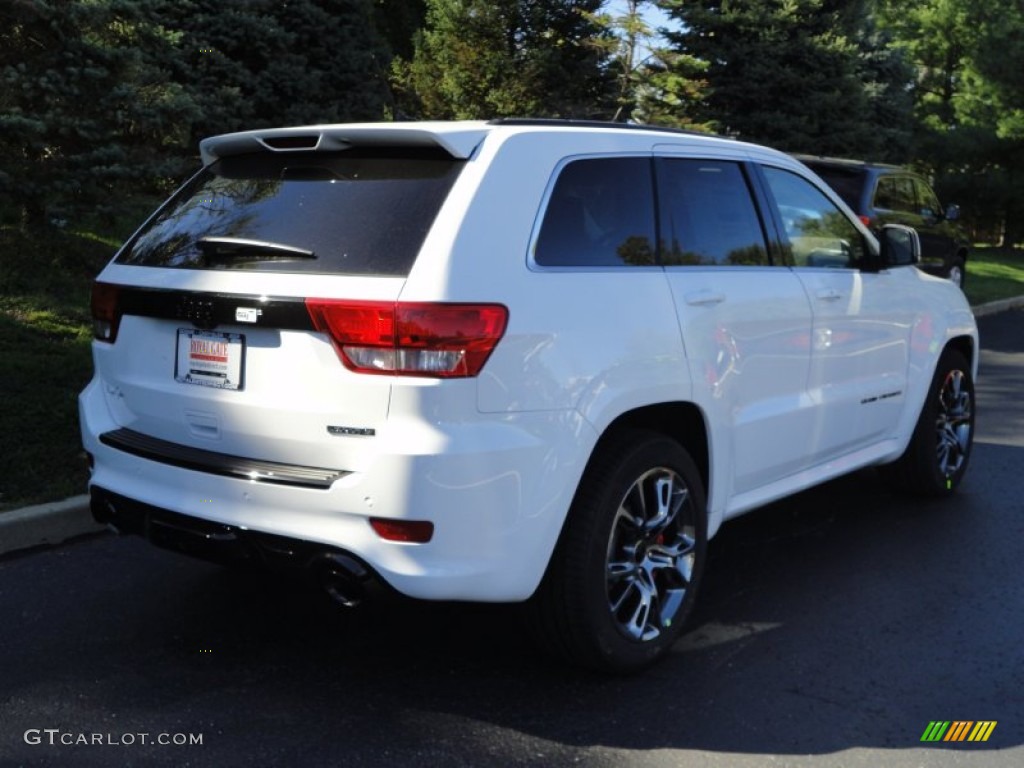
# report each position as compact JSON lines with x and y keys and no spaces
{"x":45,"y":332}
{"x":994,"y":273}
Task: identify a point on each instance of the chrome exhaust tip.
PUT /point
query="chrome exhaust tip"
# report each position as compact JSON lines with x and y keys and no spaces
{"x":342,"y":577}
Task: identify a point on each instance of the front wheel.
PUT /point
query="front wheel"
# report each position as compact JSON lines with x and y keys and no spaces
{"x":624,"y":575}
{"x":936,"y":459}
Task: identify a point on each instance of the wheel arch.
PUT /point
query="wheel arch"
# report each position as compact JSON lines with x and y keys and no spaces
{"x":682,"y":421}
{"x":562,"y":609}
{"x":965,"y":346}
{"x":940,"y":422}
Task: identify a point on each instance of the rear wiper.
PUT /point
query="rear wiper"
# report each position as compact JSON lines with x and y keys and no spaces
{"x":240,"y":247}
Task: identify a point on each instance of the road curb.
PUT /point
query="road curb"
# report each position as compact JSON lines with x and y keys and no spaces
{"x":46,"y":524}
{"x":998,"y":306}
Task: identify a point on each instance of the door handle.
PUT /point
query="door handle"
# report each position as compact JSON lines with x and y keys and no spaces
{"x":829,"y":294}
{"x":704,"y":298}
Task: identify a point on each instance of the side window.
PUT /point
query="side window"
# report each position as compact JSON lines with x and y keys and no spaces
{"x":896,"y":193}
{"x":928,"y":204}
{"x":600,"y":214}
{"x":707,"y":214}
{"x":819,"y":234}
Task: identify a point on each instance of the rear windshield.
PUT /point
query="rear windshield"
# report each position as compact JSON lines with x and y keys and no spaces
{"x":359,"y":212}
{"x":846,"y":182}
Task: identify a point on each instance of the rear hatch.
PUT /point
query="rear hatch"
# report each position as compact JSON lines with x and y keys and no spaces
{"x":847,"y":181}
{"x":222,"y":324}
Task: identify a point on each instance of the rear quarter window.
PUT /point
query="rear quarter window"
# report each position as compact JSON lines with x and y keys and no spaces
{"x":354,"y":212}
{"x":848,"y":183}
{"x":896,"y":193}
{"x":600,"y":214}
{"x":928,"y":203}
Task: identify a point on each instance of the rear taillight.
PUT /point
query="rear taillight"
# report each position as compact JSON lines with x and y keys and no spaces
{"x":865,"y":220}
{"x":408,"y":339}
{"x":106,"y":311}
{"x":407,"y":531}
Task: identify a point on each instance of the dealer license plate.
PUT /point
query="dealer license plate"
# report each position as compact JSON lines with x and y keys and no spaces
{"x":210,"y":359}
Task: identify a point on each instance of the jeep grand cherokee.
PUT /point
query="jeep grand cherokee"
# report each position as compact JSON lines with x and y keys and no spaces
{"x":510,"y":361}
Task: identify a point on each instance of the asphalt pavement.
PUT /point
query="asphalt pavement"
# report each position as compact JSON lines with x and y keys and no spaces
{"x":832,"y":629}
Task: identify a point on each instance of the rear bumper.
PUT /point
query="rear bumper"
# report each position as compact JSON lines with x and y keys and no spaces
{"x":497,"y":493}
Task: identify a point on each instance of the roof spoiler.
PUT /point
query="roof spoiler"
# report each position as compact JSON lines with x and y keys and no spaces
{"x":457,"y":139}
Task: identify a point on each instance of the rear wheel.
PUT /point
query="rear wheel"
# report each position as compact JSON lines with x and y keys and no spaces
{"x":625,"y":573}
{"x":936,"y":459}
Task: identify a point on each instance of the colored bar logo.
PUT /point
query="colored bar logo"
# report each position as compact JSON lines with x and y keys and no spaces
{"x":959,"y":730}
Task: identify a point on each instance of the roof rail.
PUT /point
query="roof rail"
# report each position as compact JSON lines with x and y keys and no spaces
{"x":556,"y":122}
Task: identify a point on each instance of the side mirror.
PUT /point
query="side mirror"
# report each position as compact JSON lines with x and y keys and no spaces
{"x":900,"y":245}
{"x":952,"y":212}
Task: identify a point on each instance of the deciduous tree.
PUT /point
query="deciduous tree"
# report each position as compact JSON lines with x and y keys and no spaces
{"x":969,"y":104}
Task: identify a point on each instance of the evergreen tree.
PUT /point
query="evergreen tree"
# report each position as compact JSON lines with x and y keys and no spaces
{"x":653,"y":84}
{"x":796,"y":74}
{"x":886,"y":75}
{"x":85,"y":113}
{"x":262,"y":63}
{"x":102,"y":99}
{"x":670,"y":91}
{"x":626,"y":46}
{"x":479,"y":59}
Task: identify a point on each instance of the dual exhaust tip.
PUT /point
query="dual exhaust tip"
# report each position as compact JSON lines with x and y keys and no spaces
{"x":343,"y":577}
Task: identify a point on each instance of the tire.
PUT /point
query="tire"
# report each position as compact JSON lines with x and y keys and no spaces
{"x":936,"y":458}
{"x":625,"y":573}
{"x":957,"y":272}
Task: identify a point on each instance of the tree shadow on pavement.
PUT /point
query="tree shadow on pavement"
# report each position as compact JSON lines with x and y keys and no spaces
{"x":844,"y":617}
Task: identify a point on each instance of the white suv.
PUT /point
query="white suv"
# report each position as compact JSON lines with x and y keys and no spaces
{"x":509,"y":361}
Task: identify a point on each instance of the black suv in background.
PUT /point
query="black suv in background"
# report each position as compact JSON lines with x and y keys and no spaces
{"x":887,"y":194}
